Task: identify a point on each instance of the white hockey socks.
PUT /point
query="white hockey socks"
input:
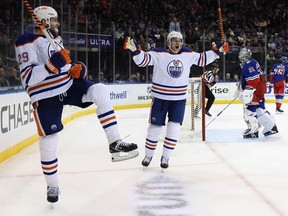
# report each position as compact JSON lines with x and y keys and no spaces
{"x":48,"y":146}
{"x":152,"y":138}
{"x":100,"y":95}
{"x":171,"y":138}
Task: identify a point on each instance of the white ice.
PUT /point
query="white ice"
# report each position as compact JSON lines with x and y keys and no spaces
{"x":224,"y":176}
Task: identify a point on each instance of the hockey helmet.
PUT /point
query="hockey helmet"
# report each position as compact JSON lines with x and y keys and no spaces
{"x":173,"y":34}
{"x":244,"y":55}
{"x":46,"y":13}
{"x":284,"y":59}
{"x":214,"y":67}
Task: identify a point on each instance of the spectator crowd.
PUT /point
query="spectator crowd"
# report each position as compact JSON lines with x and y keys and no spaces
{"x":251,"y":23}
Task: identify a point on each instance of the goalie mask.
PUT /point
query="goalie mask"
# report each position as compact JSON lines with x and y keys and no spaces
{"x":46,"y":13}
{"x":174,"y":34}
{"x":244,"y":55}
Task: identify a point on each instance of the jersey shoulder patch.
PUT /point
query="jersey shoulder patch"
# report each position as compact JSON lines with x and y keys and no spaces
{"x":26,"y":38}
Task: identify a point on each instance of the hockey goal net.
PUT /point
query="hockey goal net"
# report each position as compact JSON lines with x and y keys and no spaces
{"x":193,"y":127}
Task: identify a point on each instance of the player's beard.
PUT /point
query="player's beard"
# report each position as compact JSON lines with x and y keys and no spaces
{"x":54,"y":32}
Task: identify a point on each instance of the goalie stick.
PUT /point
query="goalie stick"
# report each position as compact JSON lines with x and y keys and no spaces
{"x":236,"y":95}
{"x":221,"y":111}
{"x":44,"y":30}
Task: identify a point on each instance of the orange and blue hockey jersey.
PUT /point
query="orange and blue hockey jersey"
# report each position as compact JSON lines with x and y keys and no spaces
{"x":37,"y":81}
{"x":171,"y":71}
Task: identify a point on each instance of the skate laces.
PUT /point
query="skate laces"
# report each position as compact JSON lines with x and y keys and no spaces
{"x":122,"y":143}
{"x":147,"y":159}
{"x":53,"y":191}
{"x":164,"y":160}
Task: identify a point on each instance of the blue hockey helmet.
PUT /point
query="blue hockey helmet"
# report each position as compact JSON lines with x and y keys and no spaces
{"x":283,"y":59}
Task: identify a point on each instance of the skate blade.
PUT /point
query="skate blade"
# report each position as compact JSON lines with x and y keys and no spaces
{"x":121,"y":156}
{"x":51,"y":206}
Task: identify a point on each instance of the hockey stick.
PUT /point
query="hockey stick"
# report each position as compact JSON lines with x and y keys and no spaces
{"x":44,"y":30}
{"x":220,"y":21}
{"x":221,"y":112}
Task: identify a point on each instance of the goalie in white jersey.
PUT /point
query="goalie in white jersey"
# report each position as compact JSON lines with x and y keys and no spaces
{"x":52,"y":82}
{"x":169,"y":86}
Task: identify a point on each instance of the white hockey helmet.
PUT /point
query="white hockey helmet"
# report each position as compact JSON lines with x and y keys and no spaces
{"x":244,"y":55}
{"x":46,"y":13}
{"x":173,"y":34}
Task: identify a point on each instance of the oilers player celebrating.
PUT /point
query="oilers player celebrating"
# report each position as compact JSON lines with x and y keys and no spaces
{"x":52,"y":82}
{"x":253,"y":83}
{"x":169,"y":86}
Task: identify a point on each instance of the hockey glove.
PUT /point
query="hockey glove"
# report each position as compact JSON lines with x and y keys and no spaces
{"x":57,"y":61}
{"x":270,"y":85}
{"x":247,"y":95}
{"x":132,"y":46}
{"x":220,"y":48}
{"x":78,"y":70}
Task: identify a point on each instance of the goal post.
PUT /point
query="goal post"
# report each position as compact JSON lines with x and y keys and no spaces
{"x":193,"y":127}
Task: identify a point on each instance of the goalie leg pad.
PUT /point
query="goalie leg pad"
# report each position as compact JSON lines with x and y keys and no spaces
{"x":267,"y":121}
{"x":252,"y":123}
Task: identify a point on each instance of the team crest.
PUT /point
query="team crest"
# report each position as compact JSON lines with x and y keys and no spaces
{"x":175,"y":68}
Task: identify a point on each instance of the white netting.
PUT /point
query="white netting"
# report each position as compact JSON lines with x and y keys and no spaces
{"x":193,"y":128}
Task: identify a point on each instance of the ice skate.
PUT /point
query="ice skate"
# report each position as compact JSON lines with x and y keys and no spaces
{"x":249,"y":134}
{"x":52,"y":194}
{"x":164,"y":163}
{"x":121,"y":150}
{"x":278,"y":110}
{"x":274,"y":130}
{"x":146,"y":161}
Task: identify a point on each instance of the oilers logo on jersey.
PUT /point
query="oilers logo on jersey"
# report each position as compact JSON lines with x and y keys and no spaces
{"x":175,"y":68}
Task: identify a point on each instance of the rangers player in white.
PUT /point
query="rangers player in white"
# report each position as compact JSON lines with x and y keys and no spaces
{"x":52,"y":81}
{"x":169,"y":87}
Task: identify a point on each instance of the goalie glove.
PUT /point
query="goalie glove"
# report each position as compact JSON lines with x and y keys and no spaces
{"x":220,"y":48}
{"x":132,"y":46}
{"x":247,"y":95}
{"x":78,"y":70}
{"x":57,"y":61}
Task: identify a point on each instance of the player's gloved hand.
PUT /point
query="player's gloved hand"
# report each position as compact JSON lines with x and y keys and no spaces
{"x":270,"y":85}
{"x":220,"y":48}
{"x":57,"y":61}
{"x":78,"y":70}
{"x":247,"y":95}
{"x":132,"y":46}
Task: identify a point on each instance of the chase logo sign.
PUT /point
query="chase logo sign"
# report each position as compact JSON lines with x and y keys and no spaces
{"x":175,"y":68}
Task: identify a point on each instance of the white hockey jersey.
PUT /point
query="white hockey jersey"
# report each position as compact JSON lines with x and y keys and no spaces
{"x":32,"y":52}
{"x":171,"y":71}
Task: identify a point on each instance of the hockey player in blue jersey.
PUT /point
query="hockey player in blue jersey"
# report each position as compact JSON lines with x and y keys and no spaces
{"x":52,"y":81}
{"x":169,"y":86}
{"x":253,"y":83}
{"x":278,"y":80}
